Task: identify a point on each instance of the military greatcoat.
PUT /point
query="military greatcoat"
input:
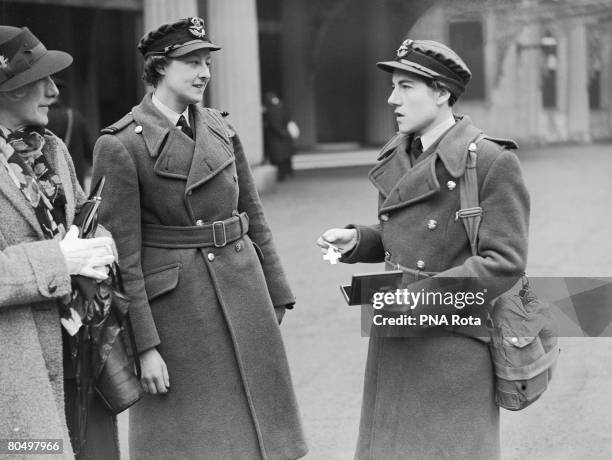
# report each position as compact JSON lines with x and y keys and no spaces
{"x":208,"y":310}
{"x":432,"y":396}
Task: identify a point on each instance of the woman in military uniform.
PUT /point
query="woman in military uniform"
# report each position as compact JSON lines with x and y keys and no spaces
{"x":206,"y":285}
{"x":432,"y":395}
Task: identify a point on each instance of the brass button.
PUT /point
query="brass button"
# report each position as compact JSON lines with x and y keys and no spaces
{"x":387,"y":254}
{"x":199,"y":222}
{"x":451,"y":184}
{"x":472,"y":147}
{"x":238,"y":246}
{"x":432,"y":224}
{"x":420,"y":264}
{"x":384,"y":217}
{"x":211,"y":256}
{"x":189,"y":193}
{"x":138,"y":129}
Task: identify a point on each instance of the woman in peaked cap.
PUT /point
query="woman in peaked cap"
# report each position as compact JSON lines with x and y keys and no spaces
{"x":39,"y":195}
{"x":429,"y":392}
{"x":206,"y":284}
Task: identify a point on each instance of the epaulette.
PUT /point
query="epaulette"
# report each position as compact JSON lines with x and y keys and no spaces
{"x":507,"y":143}
{"x":221,"y":116}
{"x":119,"y":125}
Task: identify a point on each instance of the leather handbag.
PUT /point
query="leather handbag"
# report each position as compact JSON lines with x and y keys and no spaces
{"x":522,"y":337}
{"x":117,"y":381}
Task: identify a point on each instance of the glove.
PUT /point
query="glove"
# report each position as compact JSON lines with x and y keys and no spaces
{"x":87,"y":257}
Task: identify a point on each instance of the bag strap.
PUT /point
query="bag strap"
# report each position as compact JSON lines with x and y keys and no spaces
{"x":470,"y":212}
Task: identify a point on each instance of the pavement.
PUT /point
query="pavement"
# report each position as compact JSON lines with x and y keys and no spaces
{"x":571,"y":228}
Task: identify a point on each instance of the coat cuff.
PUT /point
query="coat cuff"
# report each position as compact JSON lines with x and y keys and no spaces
{"x":368,"y":248}
{"x":49,"y":267}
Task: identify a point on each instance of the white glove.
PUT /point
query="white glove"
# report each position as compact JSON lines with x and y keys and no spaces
{"x":87,"y":257}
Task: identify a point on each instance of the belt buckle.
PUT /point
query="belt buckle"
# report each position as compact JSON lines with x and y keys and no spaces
{"x":214,"y":228}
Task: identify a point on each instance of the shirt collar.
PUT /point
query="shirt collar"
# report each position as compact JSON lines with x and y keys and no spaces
{"x":431,"y":136}
{"x":170,"y":114}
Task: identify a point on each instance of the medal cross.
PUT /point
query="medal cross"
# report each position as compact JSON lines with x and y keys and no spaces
{"x":332,"y":255}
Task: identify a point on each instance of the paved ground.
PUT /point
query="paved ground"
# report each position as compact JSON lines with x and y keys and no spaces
{"x":571,"y":230}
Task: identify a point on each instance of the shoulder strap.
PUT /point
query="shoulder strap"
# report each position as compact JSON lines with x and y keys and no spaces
{"x":470,"y":212}
{"x":118,"y":125}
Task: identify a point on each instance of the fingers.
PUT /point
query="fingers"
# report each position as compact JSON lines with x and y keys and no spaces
{"x":165,"y":376}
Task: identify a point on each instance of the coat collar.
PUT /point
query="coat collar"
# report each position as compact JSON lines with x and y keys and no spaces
{"x":213,"y":151}
{"x":401,"y":187}
{"x":178,"y":156}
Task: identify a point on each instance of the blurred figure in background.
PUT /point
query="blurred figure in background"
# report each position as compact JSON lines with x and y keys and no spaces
{"x":70,"y":126}
{"x":280,"y":133}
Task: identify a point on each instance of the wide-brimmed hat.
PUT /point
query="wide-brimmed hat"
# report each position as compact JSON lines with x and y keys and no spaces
{"x":176,"y":39}
{"x":24,"y":59}
{"x":432,"y":60}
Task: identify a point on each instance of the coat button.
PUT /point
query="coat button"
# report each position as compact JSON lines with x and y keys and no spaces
{"x":472,"y":147}
{"x":52,"y":287}
{"x":420,"y":264}
{"x":451,"y":184}
{"x":384,"y":217}
{"x":199,"y":222}
{"x":238,"y":246}
{"x":387,"y":254}
{"x":138,"y":129}
{"x":432,"y":224}
{"x":211,"y":256}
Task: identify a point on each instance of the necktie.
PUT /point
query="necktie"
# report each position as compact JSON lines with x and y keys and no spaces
{"x":182,"y":123}
{"x":416,"y":148}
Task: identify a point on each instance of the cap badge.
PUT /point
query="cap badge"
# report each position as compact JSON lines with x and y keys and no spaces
{"x":197,"y":27}
{"x":3,"y":62}
{"x":404,"y":48}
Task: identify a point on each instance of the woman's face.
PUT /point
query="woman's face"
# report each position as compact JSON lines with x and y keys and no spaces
{"x":184,"y":80}
{"x":29,"y":105}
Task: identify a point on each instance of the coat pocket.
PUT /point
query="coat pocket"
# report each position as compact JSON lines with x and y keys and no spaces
{"x":259,"y":252}
{"x":161,"y":280}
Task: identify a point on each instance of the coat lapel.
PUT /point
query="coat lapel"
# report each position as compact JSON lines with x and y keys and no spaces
{"x":55,"y":153}
{"x":171,"y":148}
{"x":212,"y":149}
{"x":402,"y":186}
{"x":10,"y":191}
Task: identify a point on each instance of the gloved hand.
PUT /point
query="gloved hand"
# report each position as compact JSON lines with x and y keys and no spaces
{"x":87,"y":257}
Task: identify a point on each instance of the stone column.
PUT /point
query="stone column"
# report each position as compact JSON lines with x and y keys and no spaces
{"x":577,"y":88}
{"x":158,"y":12}
{"x":298,"y":75}
{"x":527,"y":88}
{"x":235,"y":85}
{"x":379,"y":124}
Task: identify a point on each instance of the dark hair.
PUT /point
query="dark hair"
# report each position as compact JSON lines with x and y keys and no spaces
{"x":150,"y":73}
{"x":437,"y":85}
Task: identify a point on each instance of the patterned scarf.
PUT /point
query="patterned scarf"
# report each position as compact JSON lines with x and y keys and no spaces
{"x":32,"y":173}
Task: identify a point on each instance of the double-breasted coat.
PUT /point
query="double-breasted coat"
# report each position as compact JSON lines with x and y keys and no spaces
{"x":432,"y":396}
{"x":33,"y":277}
{"x":209,"y":310}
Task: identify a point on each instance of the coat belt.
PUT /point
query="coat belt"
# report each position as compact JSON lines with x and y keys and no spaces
{"x":218,"y":234}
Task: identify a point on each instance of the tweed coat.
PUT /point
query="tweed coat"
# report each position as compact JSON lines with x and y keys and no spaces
{"x":432,"y":396}
{"x":33,"y":276}
{"x":209,"y":311}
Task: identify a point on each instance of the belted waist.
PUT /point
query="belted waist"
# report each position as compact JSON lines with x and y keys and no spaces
{"x":216,"y":234}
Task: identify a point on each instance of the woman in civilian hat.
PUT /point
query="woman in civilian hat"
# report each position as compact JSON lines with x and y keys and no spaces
{"x":39,"y":195}
{"x":429,"y":392}
{"x":206,"y":285}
